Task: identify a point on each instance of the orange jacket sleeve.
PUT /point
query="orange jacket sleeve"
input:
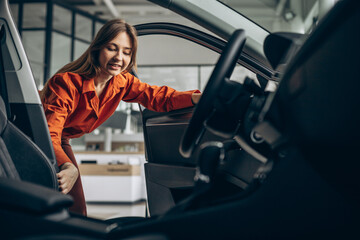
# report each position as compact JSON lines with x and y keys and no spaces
{"x":155,"y":98}
{"x":58,"y":102}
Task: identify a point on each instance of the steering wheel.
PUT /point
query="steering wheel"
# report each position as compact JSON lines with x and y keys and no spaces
{"x":223,"y":69}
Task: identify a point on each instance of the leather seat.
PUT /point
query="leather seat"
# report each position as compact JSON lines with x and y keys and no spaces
{"x":20,"y":157}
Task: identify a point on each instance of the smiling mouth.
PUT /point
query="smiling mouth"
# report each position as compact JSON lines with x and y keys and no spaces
{"x":115,"y":65}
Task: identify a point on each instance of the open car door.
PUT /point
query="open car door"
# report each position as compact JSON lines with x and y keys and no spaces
{"x":169,"y":174}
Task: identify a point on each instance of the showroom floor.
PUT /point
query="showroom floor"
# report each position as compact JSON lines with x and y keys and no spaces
{"x":113,"y":210}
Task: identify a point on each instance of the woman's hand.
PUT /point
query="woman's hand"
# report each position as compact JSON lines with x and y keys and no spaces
{"x":67,"y":177}
{"x":195,"y":97}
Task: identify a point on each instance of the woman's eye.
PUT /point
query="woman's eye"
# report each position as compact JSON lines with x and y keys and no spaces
{"x":127,"y":53}
{"x":111,"y":49}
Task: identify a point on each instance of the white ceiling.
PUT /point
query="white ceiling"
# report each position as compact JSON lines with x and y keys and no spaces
{"x":140,"y":11}
{"x":271,"y":14}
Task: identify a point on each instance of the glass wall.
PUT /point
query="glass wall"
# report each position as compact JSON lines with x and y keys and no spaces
{"x":62,"y":19}
{"x":34,"y":42}
{"x":83,"y":27}
{"x":33,"y":24}
{"x":53,"y":34}
{"x":60,"y":51}
{"x":34,"y":15}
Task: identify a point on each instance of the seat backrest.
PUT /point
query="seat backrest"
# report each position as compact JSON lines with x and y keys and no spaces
{"x":7,"y":167}
{"x":20,"y":158}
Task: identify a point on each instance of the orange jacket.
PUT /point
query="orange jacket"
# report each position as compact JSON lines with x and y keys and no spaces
{"x":72,"y":107}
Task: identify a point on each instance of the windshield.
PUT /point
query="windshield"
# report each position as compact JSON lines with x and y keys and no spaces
{"x":299,"y":16}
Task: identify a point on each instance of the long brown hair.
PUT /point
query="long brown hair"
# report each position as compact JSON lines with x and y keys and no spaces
{"x":87,"y":64}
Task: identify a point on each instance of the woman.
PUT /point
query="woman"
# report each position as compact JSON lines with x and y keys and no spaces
{"x":85,"y":93}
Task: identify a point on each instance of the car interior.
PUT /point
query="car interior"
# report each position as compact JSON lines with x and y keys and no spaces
{"x":244,"y":163}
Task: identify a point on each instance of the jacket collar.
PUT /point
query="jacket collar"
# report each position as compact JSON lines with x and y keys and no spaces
{"x":88,"y":85}
{"x":118,"y":82}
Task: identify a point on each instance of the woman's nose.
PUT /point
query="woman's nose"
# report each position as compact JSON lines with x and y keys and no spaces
{"x":119,"y":56}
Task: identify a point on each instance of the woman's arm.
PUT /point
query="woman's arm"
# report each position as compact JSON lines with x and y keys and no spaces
{"x":57,"y":101}
{"x":160,"y":99}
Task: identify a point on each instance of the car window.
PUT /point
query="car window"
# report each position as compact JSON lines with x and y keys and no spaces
{"x":189,"y":65}
{"x":239,"y":74}
{"x":184,"y":61}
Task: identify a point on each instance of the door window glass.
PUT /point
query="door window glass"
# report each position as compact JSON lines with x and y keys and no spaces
{"x":238,"y":74}
{"x":180,"y":78}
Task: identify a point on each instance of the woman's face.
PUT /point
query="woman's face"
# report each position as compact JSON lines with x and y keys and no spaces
{"x":116,"y":55}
